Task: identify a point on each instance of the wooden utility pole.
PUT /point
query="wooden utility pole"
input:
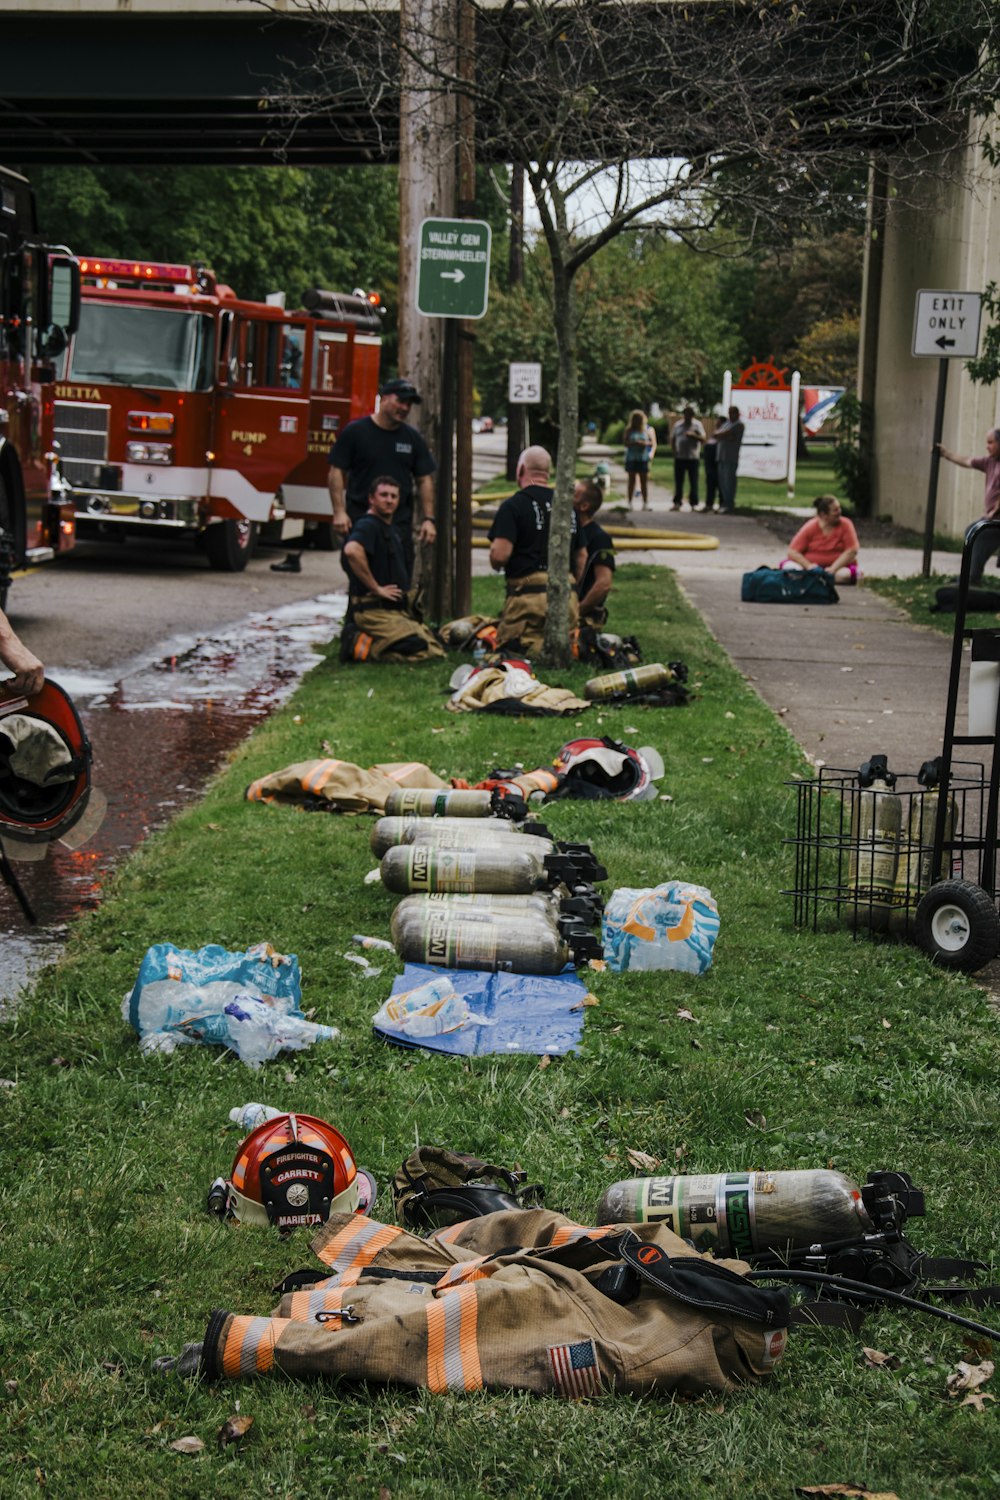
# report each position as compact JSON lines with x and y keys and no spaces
{"x":466,"y":337}
{"x":426,"y":190}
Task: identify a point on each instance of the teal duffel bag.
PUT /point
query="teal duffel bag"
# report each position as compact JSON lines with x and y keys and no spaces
{"x":788,"y":586}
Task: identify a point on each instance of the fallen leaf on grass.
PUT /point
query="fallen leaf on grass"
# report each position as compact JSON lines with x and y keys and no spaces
{"x":233,"y":1430}
{"x":886,"y":1025}
{"x":876,"y":1360}
{"x":685,"y":1015}
{"x":11,"y":1387}
{"x":597,"y":964}
{"x":966,"y":1377}
{"x":590,"y":999}
{"x":755,"y":1119}
{"x":564,"y":1113}
{"x":680,"y":1152}
{"x":642,"y":1161}
{"x":616,"y":1029}
{"x":188,"y":1444}
{"x":8,"y":1083}
{"x":544,"y":1060}
{"x":975,"y":1399}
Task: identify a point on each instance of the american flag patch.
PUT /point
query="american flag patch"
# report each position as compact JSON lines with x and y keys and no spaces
{"x":574,"y":1369}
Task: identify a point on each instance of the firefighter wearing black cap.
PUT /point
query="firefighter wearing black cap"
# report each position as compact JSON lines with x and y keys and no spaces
{"x":384,"y":444}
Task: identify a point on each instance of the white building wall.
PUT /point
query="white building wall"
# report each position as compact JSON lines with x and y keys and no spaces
{"x":951,"y":240}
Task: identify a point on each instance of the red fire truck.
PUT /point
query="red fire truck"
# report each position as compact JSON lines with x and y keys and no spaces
{"x":182,"y":410}
{"x":39,"y":306}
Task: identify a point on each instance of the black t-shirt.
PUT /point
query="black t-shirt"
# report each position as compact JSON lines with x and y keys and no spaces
{"x":600,"y":549}
{"x":524,"y":521}
{"x":384,"y":548}
{"x":365,"y":451}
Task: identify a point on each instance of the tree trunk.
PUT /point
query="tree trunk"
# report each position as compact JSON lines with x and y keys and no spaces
{"x":557,"y":643}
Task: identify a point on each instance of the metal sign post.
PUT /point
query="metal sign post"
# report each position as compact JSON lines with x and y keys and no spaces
{"x":945,"y":326}
{"x":453,"y":281}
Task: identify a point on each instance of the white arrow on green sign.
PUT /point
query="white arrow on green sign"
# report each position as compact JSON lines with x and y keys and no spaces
{"x":453,"y":268}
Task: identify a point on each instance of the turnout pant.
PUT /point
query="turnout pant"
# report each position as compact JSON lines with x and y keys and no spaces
{"x":507,"y":1301}
{"x":522,"y":619}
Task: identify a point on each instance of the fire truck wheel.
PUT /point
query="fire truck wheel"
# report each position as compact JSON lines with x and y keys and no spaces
{"x":229,"y":545}
{"x":957,"y":925}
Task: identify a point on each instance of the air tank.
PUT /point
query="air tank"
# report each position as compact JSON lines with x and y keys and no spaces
{"x":630,"y":683}
{"x":736,"y":1213}
{"x":468,"y":834}
{"x":403,"y":828}
{"x":518,"y":870}
{"x":876,"y":822}
{"x":915,"y":872}
{"x":540,"y":903}
{"x":526,"y":947}
{"x":423,"y":802}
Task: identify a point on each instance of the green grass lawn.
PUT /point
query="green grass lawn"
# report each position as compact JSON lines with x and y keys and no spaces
{"x":814,"y":476}
{"x":916,"y":595}
{"x":806,"y":1050}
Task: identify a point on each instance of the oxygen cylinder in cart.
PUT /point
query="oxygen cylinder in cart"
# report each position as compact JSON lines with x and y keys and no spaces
{"x":735,"y":1213}
{"x":914,"y":872}
{"x":515,"y":870}
{"x":876,"y":822}
{"x":526,"y":947}
{"x":631,"y":683}
{"x":457,"y":803}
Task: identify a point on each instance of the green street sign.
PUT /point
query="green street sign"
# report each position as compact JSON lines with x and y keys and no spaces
{"x":453,"y":268}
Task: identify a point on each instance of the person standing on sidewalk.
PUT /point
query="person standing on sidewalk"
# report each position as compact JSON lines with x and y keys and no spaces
{"x":686,"y":437}
{"x":728,"y":437}
{"x":640,"y":445}
{"x":984,"y":546}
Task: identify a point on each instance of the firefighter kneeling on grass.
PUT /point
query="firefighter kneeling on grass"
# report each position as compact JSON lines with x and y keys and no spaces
{"x":382,"y":620}
{"x":519,"y":544}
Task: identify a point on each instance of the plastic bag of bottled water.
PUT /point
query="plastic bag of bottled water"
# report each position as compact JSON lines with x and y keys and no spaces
{"x":669,"y":926}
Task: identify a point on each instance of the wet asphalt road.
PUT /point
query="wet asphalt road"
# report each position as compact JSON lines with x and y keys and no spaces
{"x":170,"y":665}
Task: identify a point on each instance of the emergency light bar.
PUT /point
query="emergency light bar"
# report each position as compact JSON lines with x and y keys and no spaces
{"x":144,"y":271}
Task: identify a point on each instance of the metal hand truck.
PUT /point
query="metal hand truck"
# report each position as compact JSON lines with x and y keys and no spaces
{"x":914,"y":854}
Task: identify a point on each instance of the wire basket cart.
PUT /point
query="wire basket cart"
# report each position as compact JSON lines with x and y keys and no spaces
{"x":914,"y":855}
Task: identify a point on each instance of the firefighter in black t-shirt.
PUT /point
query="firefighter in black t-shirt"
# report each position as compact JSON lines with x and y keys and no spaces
{"x":384,"y":444}
{"x":381,"y":623}
{"x":593,"y":585}
{"x":519,"y":544}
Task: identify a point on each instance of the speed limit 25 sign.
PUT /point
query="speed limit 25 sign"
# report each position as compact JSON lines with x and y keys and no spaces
{"x":525,"y":384}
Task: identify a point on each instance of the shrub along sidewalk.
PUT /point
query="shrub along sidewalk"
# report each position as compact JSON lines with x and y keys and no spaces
{"x":804,"y":1051}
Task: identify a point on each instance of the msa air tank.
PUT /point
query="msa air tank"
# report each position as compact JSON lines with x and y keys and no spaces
{"x":422,"y":802}
{"x":517,"y":868}
{"x":736,"y":1213}
{"x":403,"y":829}
{"x":915,"y":873}
{"x":631,"y":683}
{"x":528,"y":946}
{"x":876,"y":823}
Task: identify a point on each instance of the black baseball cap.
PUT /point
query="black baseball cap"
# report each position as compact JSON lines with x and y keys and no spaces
{"x":401,"y":387}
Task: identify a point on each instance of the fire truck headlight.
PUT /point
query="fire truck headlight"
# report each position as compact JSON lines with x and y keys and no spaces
{"x":149,"y":453}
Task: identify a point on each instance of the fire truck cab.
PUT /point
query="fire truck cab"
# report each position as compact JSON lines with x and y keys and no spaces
{"x":183,"y":410}
{"x":39,"y":307}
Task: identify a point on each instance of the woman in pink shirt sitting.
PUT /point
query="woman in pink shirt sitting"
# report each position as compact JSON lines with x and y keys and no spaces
{"x":829,"y":542}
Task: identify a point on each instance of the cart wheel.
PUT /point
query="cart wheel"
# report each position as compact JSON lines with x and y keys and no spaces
{"x":956,"y":925}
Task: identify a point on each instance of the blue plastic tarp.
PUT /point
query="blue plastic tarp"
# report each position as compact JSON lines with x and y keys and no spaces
{"x":531,"y":1013}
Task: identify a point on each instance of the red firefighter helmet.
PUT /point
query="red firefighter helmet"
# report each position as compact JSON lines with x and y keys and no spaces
{"x":296,"y":1169}
{"x":45,"y":760}
{"x":607,"y":768}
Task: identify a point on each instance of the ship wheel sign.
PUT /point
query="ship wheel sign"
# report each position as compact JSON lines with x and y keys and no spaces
{"x":762,"y":375}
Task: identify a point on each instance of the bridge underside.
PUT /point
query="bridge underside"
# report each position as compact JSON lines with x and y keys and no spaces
{"x":131,"y":90}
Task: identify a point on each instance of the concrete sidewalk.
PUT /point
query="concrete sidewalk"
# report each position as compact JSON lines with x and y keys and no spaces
{"x":849,"y":680}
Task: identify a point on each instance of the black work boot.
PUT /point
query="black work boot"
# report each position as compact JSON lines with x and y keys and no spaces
{"x":291,"y":564}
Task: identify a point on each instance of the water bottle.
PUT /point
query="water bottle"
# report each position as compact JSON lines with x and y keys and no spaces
{"x":249,"y":1116}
